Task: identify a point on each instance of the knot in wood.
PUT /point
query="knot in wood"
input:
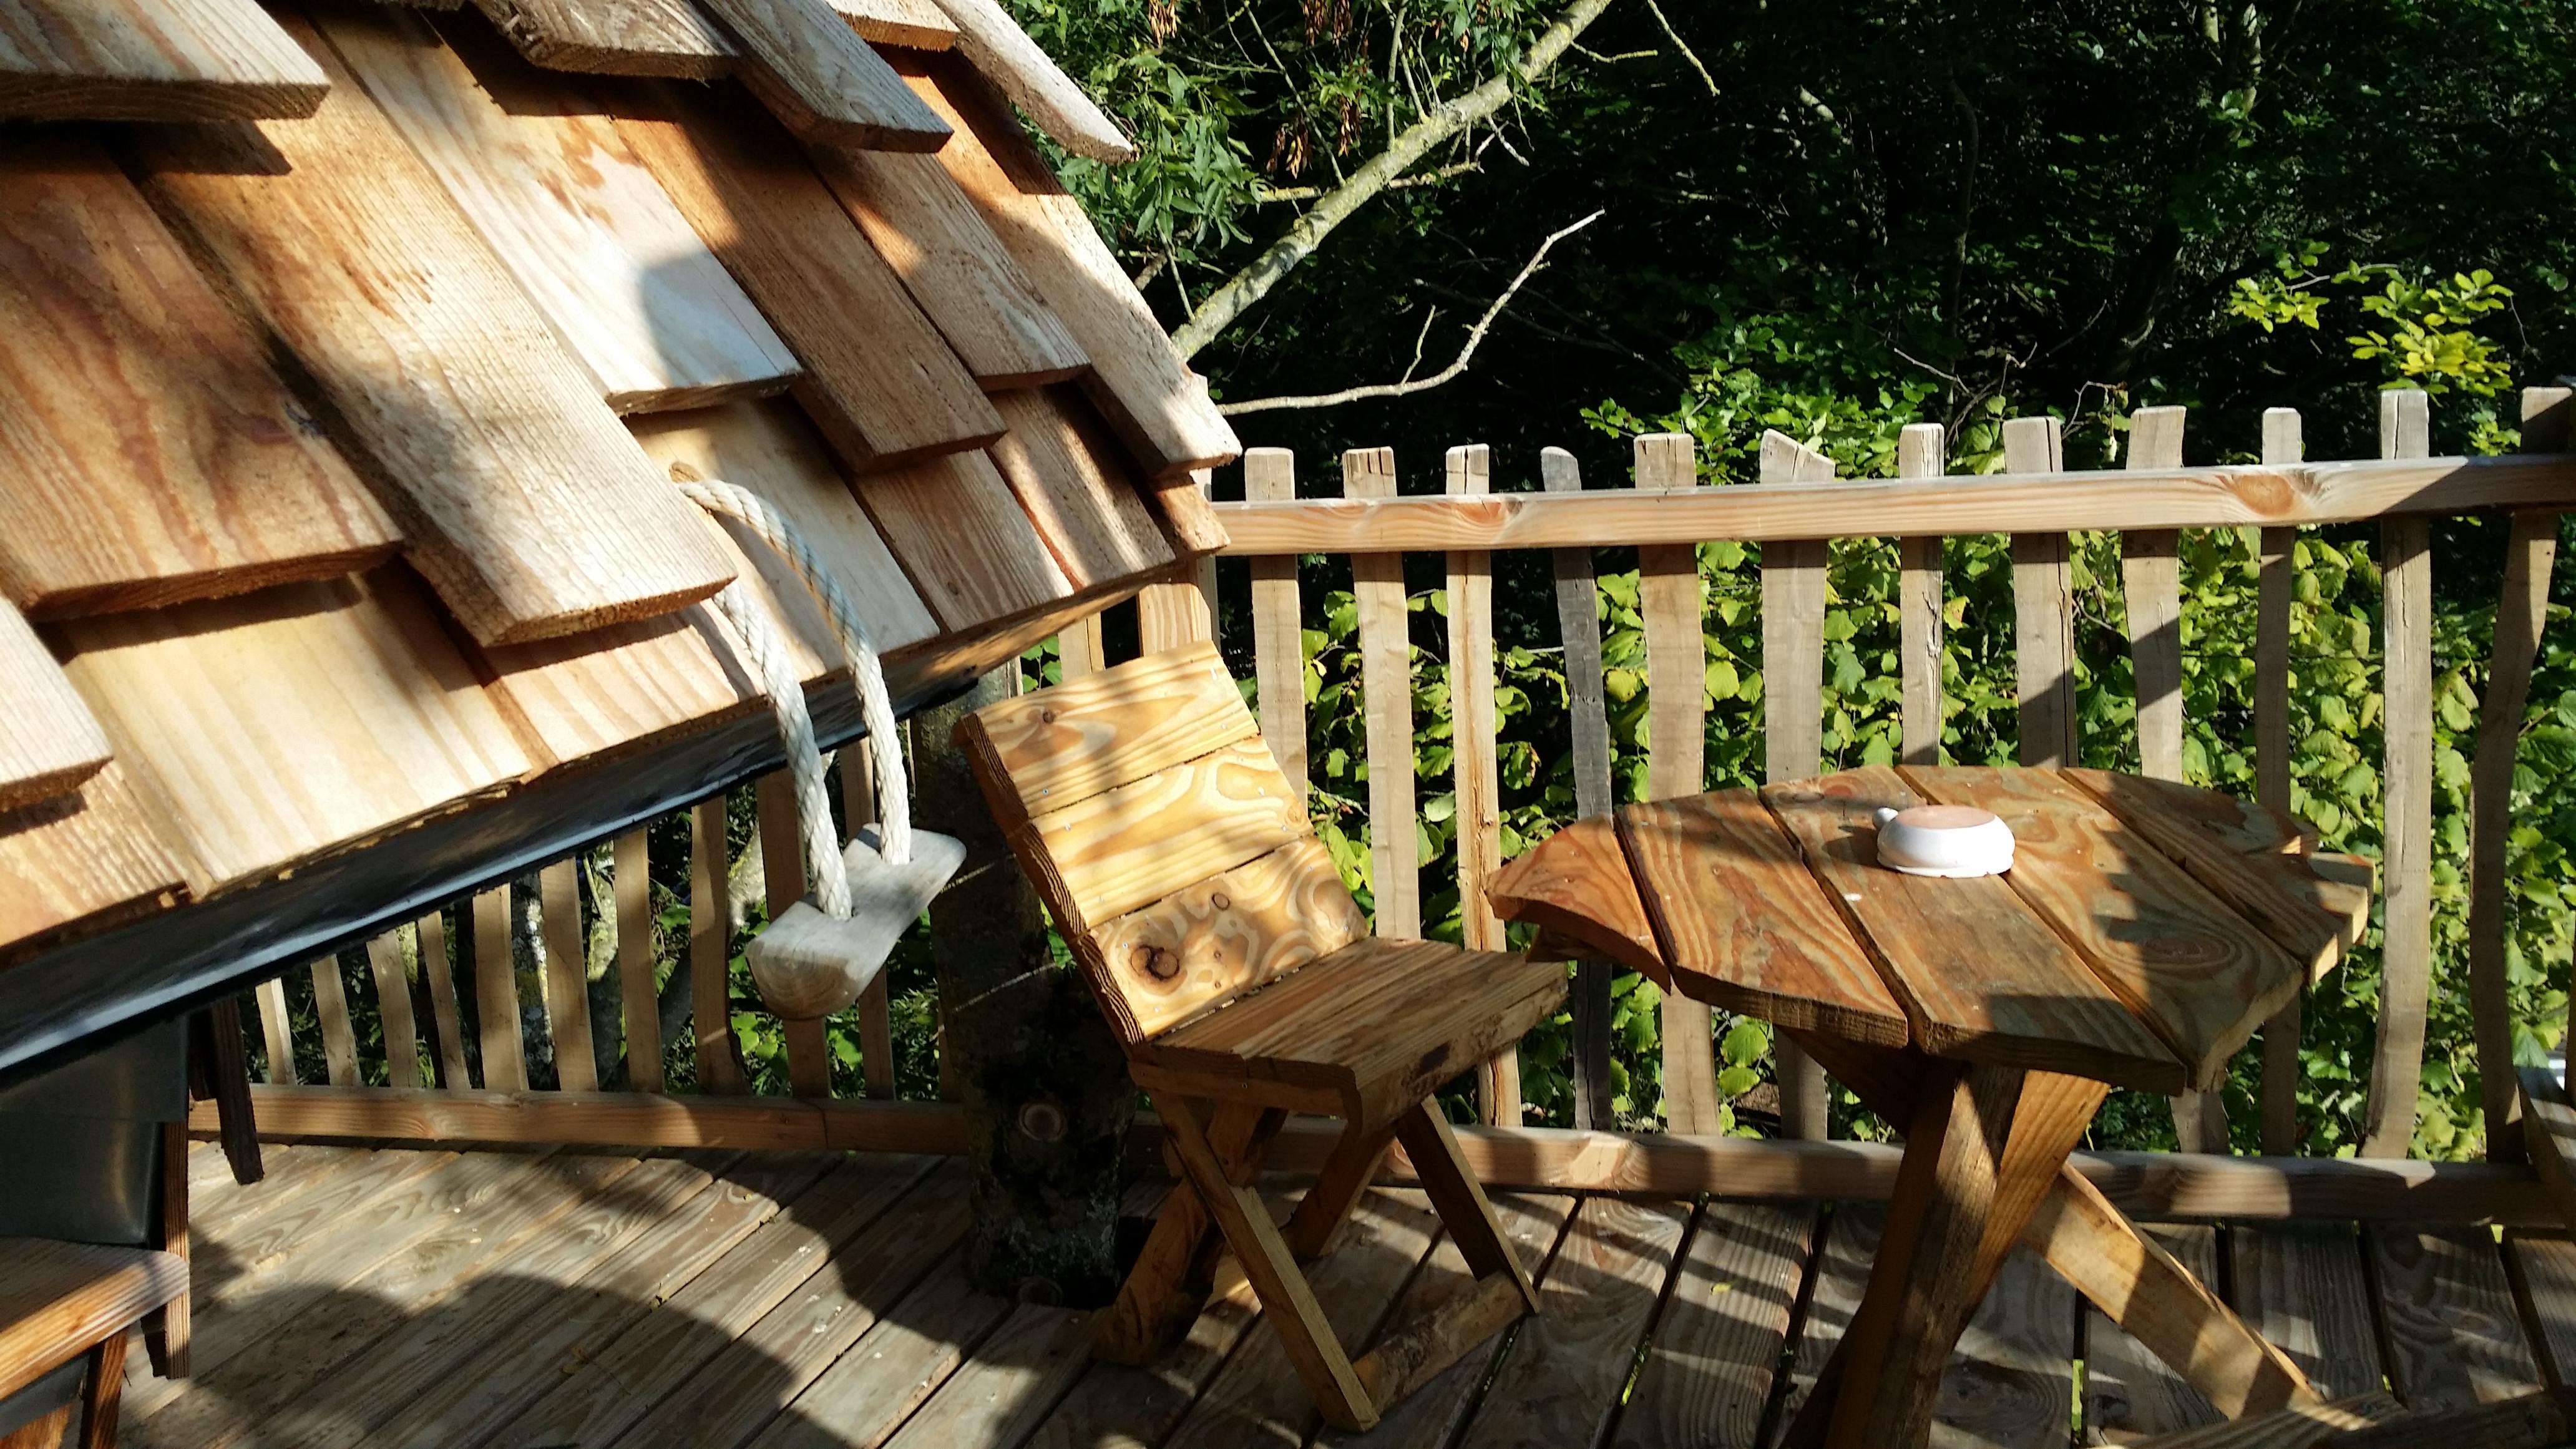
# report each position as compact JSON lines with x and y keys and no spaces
{"x":1042,"y":1121}
{"x":1158,"y":962}
{"x":1218,"y":900}
{"x":1046,"y":716}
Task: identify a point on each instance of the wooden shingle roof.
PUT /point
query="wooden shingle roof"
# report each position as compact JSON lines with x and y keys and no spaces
{"x":353,"y":349}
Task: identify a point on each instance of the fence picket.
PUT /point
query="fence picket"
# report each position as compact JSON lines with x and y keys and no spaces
{"x":2406,"y":863}
{"x":1793,"y":701}
{"x":1670,"y":603}
{"x":449,"y":1023}
{"x":276,"y":1030}
{"x":2043,"y":608}
{"x":1278,"y":626}
{"x":782,"y":874}
{"x":632,"y":879}
{"x":1386,"y":691}
{"x":567,"y":982}
{"x":1920,"y":453}
{"x":711,"y":950}
{"x":331,"y":1005}
{"x":1587,"y":709}
{"x":859,"y":807}
{"x":393,"y":1010}
{"x":2278,"y":580}
{"x":496,"y":994}
{"x":1475,"y":782}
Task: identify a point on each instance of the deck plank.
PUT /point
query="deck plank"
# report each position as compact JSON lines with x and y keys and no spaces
{"x":1564,"y":1370}
{"x":1257,"y":1398}
{"x":895,"y":1366}
{"x":2454,"y":1338}
{"x":2129,"y":1393}
{"x":1718,"y":1340}
{"x":606,"y":1390}
{"x":374,"y":1389}
{"x":1013,"y":1381}
{"x":2543,"y":1270}
{"x":239,"y":1395}
{"x":514,"y":1371}
{"x":2301,"y":1286}
{"x":221,"y":1207}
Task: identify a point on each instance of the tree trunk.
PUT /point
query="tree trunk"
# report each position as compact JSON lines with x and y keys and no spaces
{"x":1043,"y":1081}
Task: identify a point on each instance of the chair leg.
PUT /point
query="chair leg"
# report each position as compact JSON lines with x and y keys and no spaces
{"x":44,"y":1433}
{"x":1287,"y":1300}
{"x":1327,"y":1205}
{"x":103,"y":1393}
{"x":1168,"y":1285}
{"x":1460,"y":1199}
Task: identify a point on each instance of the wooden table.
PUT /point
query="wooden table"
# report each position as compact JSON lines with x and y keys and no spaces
{"x":2145,"y":930}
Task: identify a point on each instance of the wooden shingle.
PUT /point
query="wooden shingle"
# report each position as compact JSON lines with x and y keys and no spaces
{"x":48,"y":742}
{"x":148,"y":454}
{"x":1077,"y":490}
{"x":81,"y":862}
{"x":616,"y":37}
{"x":133,"y":60}
{"x":972,"y":554}
{"x":523,"y":502}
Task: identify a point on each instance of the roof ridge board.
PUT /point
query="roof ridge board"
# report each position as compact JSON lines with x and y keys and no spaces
{"x":526,"y":505}
{"x":1023,"y":70}
{"x":151,"y":453}
{"x":917,"y":24}
{"x":667,"y":38}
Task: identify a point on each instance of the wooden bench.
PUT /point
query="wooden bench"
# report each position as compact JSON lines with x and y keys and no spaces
{"x":63,"y":1301}
{"x":1237,"y":970}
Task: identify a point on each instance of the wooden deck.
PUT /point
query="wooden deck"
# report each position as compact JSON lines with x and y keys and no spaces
{"x":529,"y":1298}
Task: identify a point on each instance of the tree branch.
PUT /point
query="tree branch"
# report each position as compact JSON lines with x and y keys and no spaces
{"x":1222,"y":306}
{"x":1683,"y":46}
{"x":1466,"y":353}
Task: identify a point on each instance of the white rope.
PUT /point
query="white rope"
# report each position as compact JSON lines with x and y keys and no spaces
{"x":867,"y":674}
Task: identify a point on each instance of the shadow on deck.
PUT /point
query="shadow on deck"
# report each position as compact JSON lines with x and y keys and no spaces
{"x":706,"y":1299}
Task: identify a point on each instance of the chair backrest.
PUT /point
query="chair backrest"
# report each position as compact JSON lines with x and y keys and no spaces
{"x":1176,"y":857}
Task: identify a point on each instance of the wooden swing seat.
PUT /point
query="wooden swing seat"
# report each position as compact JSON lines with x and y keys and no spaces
{"x":1221,"y":943}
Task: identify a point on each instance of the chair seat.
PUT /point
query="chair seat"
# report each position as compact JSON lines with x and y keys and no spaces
{"x":58,"y":1299}
{"x":1363,"y":1033}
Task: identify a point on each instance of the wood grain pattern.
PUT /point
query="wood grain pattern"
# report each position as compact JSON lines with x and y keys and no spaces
{"x":2548,"y":1130}
{"x":770,"y":448}
{"x":496,"y":995}
{"x":1742,"y":923}
{"x":150,"y":455}
{"x":1158,"y":407}
{"x":610,"y":263}
{"x":2008,"y":1382}
{"x":276,"y":1030}
{"x":2151,"y":590}
{"x":1670,"y":597}
{"x":631,"y":878}
{"x":1077,"y":490}
{"x":2170,"y":950}
{"x":331,"y":1008}
{"x":929,"y":231}
{"x":819,"y":77}
{"x":915,"y":23}
{"x":266,"y":728}
{"x":2543,"y":1271}
{"x":1793,"y":643}
{"x":711,"y":951}
{"x":612,"y":691}
{"x":1228,"y":934}
{"x":1921,"y":452}
{"x":1577,"y":884}
{"x":2453,"y":1334}
{"x":1133,"y":845}
{"x":1004,"y":53}
{"x":393,"y":1010}
{"x":1475,"y":780}
{"x":1600,"y":1294}
{"x":1719,"y":1335}
{"x":1366,"y":1032}
{"x":58,"y":1298}
{"x":49,"y":744}
{"x":445,"y":1016}
{"x":1278,"y":626}
{"x":566,"y":979}
{"x":1386,"y":677}
{"x":522,"y":501}
{"x":2302,"y":1288}
{"x":1981,"y":976}
{"x":970,"y":552}
{"x":1578,"y":625}
{"x":915,"y":1352}
{"x":616,"y":37}
{"x":2043,"y":608}
{"x":2290,"y":897}
{"x":879,"y":380}
{"x":1063,"y":745}
{"x":219,"y":60}
{"x":2406,"y":772}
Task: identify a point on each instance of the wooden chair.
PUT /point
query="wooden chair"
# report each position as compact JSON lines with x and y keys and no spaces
{"x":1238,"y":971}
{"x":65,"y":1312}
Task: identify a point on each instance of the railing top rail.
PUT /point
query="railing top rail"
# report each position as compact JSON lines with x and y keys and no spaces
{"x":2272,"y":496}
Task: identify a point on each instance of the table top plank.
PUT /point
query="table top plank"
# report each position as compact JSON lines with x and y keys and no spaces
{"x":2170,"y":950}
{"x":1981,"y":975}
{"x":1577,"y":885}
{"x":1732,"y":905}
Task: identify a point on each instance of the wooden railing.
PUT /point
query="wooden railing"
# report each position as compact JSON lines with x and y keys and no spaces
{"x":1795,"y":508}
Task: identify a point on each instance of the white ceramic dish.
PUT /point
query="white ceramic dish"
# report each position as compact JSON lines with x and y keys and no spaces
{"x":1953,"y":841}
